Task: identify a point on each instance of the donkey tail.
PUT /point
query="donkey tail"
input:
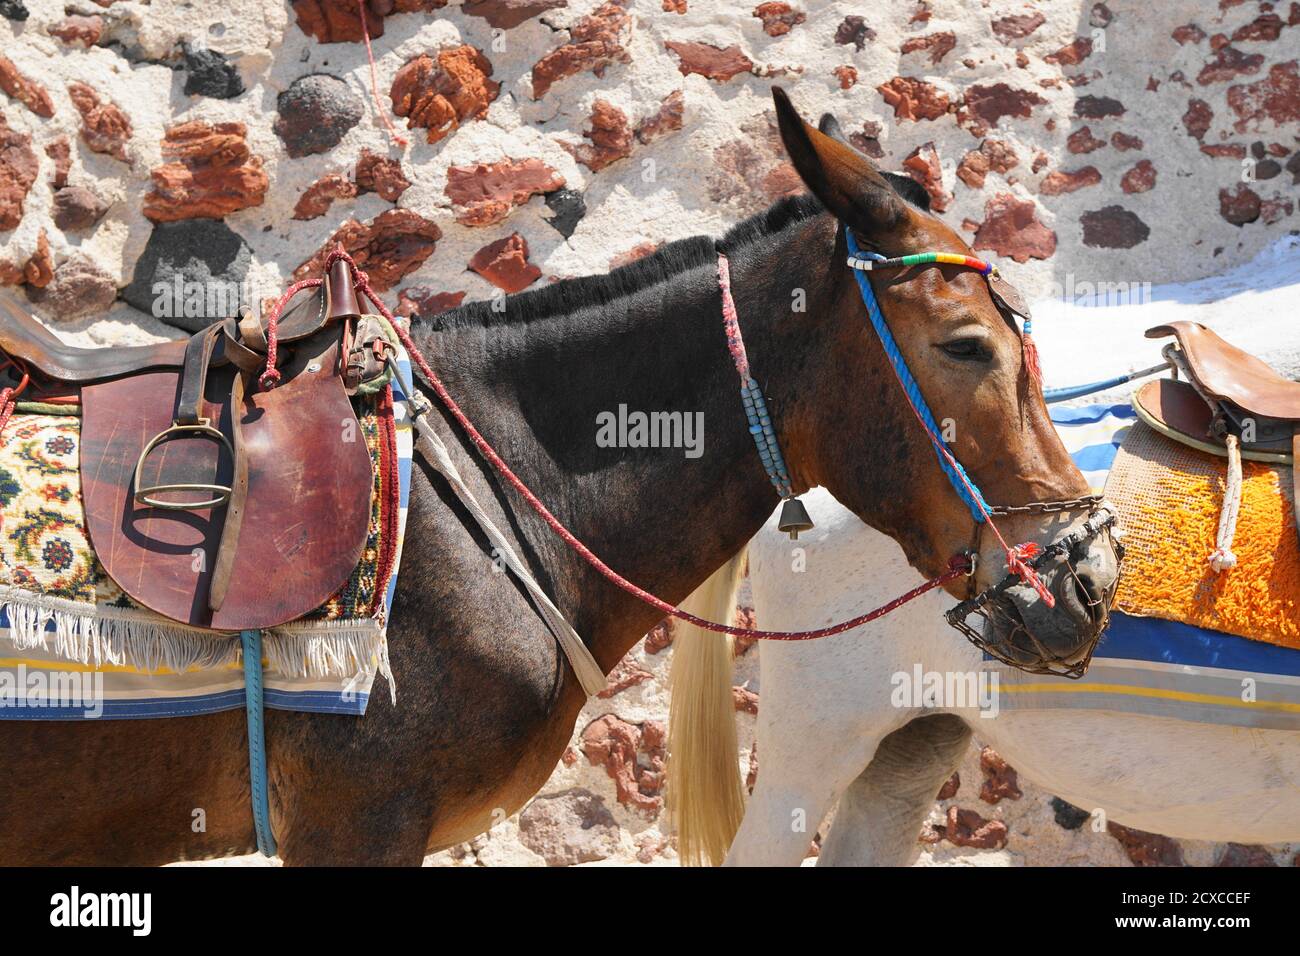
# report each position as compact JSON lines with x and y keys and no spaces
{"x":706,"y":799}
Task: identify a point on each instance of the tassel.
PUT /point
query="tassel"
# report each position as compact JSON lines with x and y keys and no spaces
{"x":1017,"y":558}
{"x":1032,"y":365}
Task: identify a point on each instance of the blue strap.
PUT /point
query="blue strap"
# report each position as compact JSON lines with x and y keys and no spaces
{"x":253,"y":703}
{"x":953,"y":469}
{"x":1065,"y":393}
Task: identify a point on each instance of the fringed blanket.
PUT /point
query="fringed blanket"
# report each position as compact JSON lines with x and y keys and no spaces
{"x":73,"y":645}
{"x":1167,"y":668}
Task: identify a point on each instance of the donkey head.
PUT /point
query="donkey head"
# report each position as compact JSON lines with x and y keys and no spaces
{"x":864,"y":441}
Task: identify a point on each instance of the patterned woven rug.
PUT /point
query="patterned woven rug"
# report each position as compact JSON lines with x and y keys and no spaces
{"x":1169,"y":497}
{"x":62,"y":618}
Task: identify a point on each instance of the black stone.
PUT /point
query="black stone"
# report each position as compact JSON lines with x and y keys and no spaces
{"x":1113,"y":227}
{"x":208,"y":73}
{"x":13,"y":10}
{"x":316,"y":112}
{"x":568,"y":208}
{"x":1293,"y":167}
{"x":210,"y":261}
{"x":1068,"y":816}
{"x":1267,"y":169}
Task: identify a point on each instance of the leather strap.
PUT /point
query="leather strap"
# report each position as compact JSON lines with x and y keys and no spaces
{"x":194,"y":374}
{"x":227,"y":549}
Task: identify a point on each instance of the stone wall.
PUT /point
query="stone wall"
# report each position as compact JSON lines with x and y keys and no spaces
{"x":146,"y":145}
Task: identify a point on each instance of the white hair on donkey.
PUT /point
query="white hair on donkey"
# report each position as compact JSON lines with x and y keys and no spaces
{"x":836,"y":727}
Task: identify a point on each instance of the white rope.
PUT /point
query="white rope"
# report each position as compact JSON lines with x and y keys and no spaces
{"x":589,"y":673}
{"x":1223,"y":558}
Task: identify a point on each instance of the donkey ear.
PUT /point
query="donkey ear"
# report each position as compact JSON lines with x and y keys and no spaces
{"x":829,"y":125}
{"x":846,"y":182}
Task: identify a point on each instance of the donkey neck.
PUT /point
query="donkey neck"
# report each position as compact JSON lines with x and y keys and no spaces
{"x":576,"y":400}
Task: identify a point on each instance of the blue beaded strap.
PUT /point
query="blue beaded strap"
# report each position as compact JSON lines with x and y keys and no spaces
{"x":760,"y":429}
{"x":961,"y":482}
{"x":254,"y":709}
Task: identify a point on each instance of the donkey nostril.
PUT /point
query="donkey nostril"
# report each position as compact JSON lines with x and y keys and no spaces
{"x":1090,"y":594}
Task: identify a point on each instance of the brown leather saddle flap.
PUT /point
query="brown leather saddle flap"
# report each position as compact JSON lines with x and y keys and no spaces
{"x":1175,"y":410}
{"x":1226,"y":372}
{"x":307,"y":512}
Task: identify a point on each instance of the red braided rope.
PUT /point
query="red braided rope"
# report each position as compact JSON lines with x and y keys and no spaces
{"x":958,"y":566}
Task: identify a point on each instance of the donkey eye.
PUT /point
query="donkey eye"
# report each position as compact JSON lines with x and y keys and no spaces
{"x":968,"y":350}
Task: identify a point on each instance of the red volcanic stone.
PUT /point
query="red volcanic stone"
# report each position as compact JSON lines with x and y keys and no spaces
{"x":1100,"y":15}
{"x":382,"y":175}
{"x":18,"y":169}
{"x":949,"y":788}
{"x":317,"y":198}
{"x":1063,"y":181}
{"x":778,"y":18}
{"x":1225,"y":150}
{"x":1113,"y":227}
{"x":922,"y":164}
{"x":1011,"y":228}
{"x":609,"y":139}
{"x":569,"y":828}
{"x":853,"y":29}
{"x":744,"y":700}
{"x":1198,"y":117}
{"x":968,"y":828}
{"x":616,"y":745}
{"x":1072,"y":54}
{"x":674,"y":6}
{"x":1229,"y":63}
{"x":388,"y":247}
{"x":505,"y":264}
{"x":441,"y":93}
{"x":1243,"y":854}
{"x":1082,"y":141}
{"x":38,"y":271}
{"x":1276,"y":98}
{"x":1264,"y":28}
{"x":938,"y":45}
{"x":1000,"y":782}
{"x":1146,"y":849}
{"x":104,"y":127}
{"x":751,"y":775}
{"x":84,"y":31}
{"x":76,"y":207}
{"x":1124,"y":142}
{"x":1041,"y":159}
{"x":639,"y":251}
{"x":1017,"y":26}
{"x":339,"y":21}
{"x":1275,"y":210}
{"x":660,"y":637}
{"x":1240,"y":206}
{"x":211,"y":173}
{"x":77,"y":288}
{"x":746,"y":618}
{"x":595,"y":42}
{"x":506,"y":14}
{"x":627,"y":673}
{"x":983,"y":106}
{"x":1097,"y":107}
{"x":783,"y":180}
{"x":1188,"y":33}
{"x":991,"y":156}
{"x":914,"y":99}
{"x":60,"y":151}
{"x":423,"y":302}
{"x":664,"y":120}
{"x":868,"y":141}
{"x":847,"y":75}
{"x":709,"y":61}
{"x":1140,"y":178}
{"x":26,"y":91}
{"x":488,"y":191}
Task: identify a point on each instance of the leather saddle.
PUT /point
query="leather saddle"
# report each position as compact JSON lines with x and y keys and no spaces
{"x":1232,"y":404}
{"x":209,"y":499}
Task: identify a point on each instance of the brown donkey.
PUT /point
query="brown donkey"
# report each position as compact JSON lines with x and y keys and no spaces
{"x":486,"y":701}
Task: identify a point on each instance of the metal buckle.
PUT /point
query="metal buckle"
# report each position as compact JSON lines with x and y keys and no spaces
{"x":144,"y":496}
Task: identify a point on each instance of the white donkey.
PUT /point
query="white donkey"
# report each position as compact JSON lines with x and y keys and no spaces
{"x":831,"y":730}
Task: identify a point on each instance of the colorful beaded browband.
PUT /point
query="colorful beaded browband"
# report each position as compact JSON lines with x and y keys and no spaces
{"x":868,"y":261}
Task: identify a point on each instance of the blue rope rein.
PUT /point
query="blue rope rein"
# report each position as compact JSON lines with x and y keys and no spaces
{"x":961,"y":482}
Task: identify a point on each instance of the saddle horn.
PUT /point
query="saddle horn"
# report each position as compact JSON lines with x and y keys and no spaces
{"x":341,"y":292}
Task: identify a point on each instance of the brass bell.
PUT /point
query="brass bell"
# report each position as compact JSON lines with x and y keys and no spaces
{"x":794,"y":518}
